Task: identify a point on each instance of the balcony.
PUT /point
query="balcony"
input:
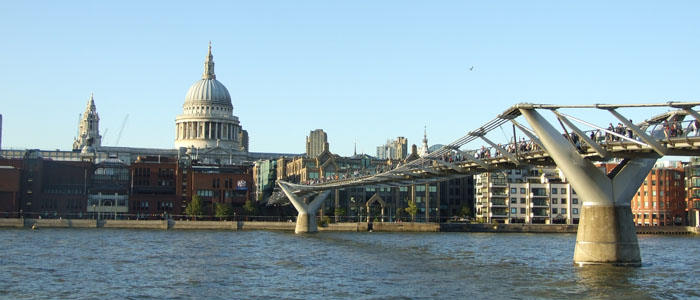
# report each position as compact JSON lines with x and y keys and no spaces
{"x":499,"y":212}
{"x":538,"y":192}
{"x":498,"y":183}
{"x":499,"y":202}
{"x":539,"y":202}
{"x":498,"y":195}
{"x":540,"y":212}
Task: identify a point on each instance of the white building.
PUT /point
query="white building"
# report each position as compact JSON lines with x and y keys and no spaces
{"x":88,"y":128}
{"x":529,"y":196}
{"x":207,"y":126}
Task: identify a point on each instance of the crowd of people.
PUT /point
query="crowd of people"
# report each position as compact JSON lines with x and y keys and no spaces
{"x":671,"y":129}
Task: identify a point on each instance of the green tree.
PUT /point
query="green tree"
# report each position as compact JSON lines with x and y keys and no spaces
{"x":339,"y":212}
{"x":412,"y":210}
{"x":249,"y":208}
{"x":195,"y":208}
{"x":465,"y":211}
{"x":223,"y":210}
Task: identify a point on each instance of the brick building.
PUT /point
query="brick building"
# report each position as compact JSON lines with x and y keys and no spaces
{"x":9,"y":190}
{"x":660,"y":201}
{"x":153,"y":190}
{"x":217,"y":184}
{"x":692,"y":179}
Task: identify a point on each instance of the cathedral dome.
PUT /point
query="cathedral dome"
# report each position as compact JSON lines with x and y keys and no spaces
{"x":208,"y":91}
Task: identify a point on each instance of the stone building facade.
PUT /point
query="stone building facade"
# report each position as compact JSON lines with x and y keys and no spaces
{"x":88,"y":128}
{"x":316,"y":143}
{"x":207,"y":125}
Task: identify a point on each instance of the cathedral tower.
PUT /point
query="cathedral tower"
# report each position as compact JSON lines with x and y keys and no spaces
{"x":89,"y":128}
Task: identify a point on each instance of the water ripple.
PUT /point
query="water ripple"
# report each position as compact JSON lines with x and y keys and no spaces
{"x":142,"y":264}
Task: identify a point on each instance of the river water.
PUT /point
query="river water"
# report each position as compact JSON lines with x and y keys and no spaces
{"x":137,"y":264}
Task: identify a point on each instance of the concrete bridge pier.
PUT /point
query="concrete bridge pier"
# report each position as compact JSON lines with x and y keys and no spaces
{"x":306,"y":219}
{"x":606,"y":233}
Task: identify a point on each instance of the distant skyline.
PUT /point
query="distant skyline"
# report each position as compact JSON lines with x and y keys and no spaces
{"x":363,"y":71}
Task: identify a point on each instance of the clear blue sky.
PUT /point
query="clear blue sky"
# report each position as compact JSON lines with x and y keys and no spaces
{"x":365,"y":70}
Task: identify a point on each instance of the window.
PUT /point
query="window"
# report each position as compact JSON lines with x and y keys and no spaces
{"x":563,"y":211}
{"x":513,"y":200}
{"x":555,"y":201}
{"x":513,"y":210}
{"x":562,"y":191}
{"x":522,"y":200}
{"x":523,"y":191}
{"x":554,"y":190}
{"x":653,"y":204}
{"x":513,"y":190}
{"x":554,"y":211}
{"x":522,"y":210}
{"x":563,"y":201}
{"x":574,"y":211}
{"x":653,"y":182}
{"x":653,"y":193}
{"x":574,"y":201}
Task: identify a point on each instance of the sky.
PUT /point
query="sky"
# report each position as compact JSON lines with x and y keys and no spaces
{"x":364,"y":71}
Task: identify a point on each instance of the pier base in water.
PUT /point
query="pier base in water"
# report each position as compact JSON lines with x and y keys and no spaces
{"x":606,"y":235}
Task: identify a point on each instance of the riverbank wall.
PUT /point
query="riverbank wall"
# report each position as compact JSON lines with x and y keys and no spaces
{"x":289,"y":226}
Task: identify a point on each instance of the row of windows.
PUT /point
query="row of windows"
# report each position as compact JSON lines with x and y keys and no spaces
{"x":514,"y":210}
{"x":539,"y":191}
{"x":554,"y":201}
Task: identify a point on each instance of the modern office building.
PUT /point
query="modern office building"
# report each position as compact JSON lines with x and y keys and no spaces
{"x":527,"y":195}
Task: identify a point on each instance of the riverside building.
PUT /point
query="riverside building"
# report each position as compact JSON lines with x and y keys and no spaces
{"x":660,"y":200}
{"x":528,"y":195}
{"x":692,"y":185}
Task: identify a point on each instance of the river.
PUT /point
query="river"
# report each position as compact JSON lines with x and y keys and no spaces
{"x":138,"y":264}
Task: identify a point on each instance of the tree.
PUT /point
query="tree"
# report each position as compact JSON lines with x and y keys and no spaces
{"x":249,"y":208}
{"x":195,"y":208}
{"x":339,"y":212}
{"x":465,"y":211}
{"x":412,"y":210}
{"x":223,"y":210}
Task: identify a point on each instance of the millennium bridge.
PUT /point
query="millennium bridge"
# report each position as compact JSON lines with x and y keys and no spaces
{"x":606,"y":233}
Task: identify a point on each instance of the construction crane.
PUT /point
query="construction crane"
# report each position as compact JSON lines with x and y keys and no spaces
{"x":104,"y":136}
{"x":119,"y":135}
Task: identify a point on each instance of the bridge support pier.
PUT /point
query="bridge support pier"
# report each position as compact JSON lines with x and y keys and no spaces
{"x":606,"y":232}
{"x":306,"y":218}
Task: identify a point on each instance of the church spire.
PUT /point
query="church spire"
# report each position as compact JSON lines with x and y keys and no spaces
{"x":424,"y":148}
{"x":91,"y":103}
{"x":209,"y":66}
